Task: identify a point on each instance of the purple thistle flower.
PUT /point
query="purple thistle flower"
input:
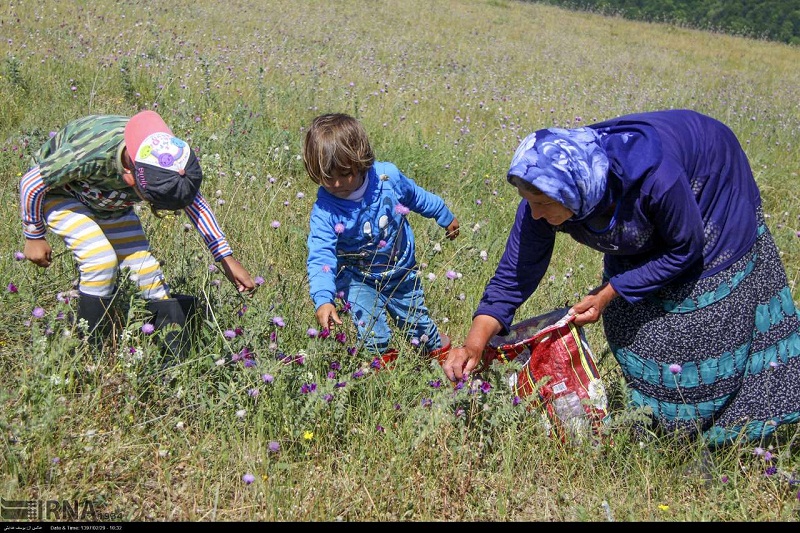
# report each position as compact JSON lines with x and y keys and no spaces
{"x":486,"y":387}
{"x":376,"y":362}
{"x":12,"y":288}
{"x":259,"y":280}
{"x":37,"y":312}
{"x":338,"y":228}
{"x":358,"y":373}
{"x":335,"y":365}
{"x":148,"y":328}
{"x":341,"y":337}
{"x":426,"y":402}
{"x":459,"y":412}
{"x":435,"y":384}
{"x":771,"y":471}
{"x":273,"y":446}
{"x":252,"y":392}
{"x":276,"y":224}
{"x":212,"y":268}
{"x":352,"y":350}
{"x":308,"y":388}
{"x":229,"y":334}
{"x":242,"y":311}
{"x":516,"y":401}
{"x":249,"y":363}
{"x":267,"y":378}
{"x":325,"y":333}
{"x":248,"y":478}
{"x":278,"y":321}
{"x":379,"y":428}
{"x":724,"y":479}
{"x":331,"y":374}
{"x":397,"y":407}
{"x":19,"y":256}
{"x":340,"y":385}
{"x":401,"y":210}
{"x":451,"y":274}
{"x":312,"y":332}
{"x":675,"y":368}
{"x":328,"y":397}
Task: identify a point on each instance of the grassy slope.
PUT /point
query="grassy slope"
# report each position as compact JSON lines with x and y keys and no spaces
{"x":446,"y":89}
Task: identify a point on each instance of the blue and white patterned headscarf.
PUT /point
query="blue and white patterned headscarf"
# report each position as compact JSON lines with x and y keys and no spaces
{"x":569,"y":166}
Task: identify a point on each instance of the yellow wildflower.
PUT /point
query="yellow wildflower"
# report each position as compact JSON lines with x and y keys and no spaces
{"x":308,"y":435}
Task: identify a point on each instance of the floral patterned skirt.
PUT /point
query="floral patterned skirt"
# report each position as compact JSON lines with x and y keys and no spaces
{"x":718,"y":356}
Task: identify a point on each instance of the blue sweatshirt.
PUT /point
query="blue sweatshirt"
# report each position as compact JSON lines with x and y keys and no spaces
{"x":680,"y":202}
{"x":370,"y":238}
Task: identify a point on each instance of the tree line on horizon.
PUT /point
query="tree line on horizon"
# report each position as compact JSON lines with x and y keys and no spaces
{"x":773,"y":20}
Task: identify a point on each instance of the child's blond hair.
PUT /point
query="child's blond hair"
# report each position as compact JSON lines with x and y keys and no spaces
{"x":336,"y":143}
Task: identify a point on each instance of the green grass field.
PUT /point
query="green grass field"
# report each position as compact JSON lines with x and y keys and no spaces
{"x":446,"y":89}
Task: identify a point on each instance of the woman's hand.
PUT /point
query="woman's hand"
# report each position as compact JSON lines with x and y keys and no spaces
{"x":464,"y":359}
{"x":237,"y":274}
{"x":38,"y":252}
{"x":590,"y":309}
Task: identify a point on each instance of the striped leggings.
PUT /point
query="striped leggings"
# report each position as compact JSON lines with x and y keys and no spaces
{"x":102,"y":247}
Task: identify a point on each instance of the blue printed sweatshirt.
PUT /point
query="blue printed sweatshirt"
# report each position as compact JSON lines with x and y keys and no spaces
{"x":370,"y":238}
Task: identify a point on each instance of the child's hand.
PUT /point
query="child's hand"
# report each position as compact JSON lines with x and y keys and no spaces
{"x":327,"y":316}
{"x":451,"y":232}
{"x":237,"y":274}
{"x":38,"y":252}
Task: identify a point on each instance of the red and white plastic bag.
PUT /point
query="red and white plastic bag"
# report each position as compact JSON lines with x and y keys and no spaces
{"x":559,"y":368}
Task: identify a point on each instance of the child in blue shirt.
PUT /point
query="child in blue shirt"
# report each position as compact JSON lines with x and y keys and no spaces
{"x":360,"y":244}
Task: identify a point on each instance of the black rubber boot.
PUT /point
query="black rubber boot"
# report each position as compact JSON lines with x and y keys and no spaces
{"x":177,"y":315}
{"x":99,"y":314}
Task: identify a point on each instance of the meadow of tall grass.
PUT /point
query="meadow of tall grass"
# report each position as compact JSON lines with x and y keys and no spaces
{"x":266,"y":421}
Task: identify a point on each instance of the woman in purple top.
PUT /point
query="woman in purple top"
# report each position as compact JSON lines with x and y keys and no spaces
{"x":695,"y":301}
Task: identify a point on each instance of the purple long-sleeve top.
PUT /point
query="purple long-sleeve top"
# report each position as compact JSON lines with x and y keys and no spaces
{"x":680,"y":202}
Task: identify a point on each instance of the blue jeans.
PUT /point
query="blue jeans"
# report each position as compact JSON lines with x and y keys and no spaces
{"x":403,"y":300}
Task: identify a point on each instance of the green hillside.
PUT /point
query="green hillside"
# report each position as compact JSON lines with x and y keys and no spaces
{"x":777,"y":20}
{"x":446,"y":90}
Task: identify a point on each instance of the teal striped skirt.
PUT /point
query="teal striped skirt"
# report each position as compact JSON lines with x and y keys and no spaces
{"x":718,"y":357}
